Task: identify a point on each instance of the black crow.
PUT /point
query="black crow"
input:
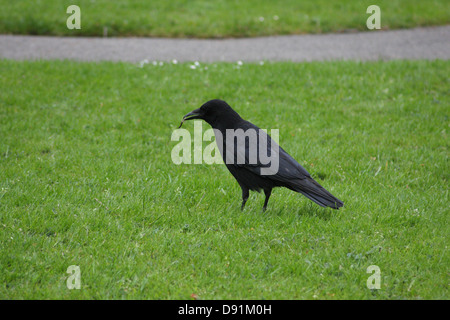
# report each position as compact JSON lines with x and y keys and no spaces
{"x":254,"y":159}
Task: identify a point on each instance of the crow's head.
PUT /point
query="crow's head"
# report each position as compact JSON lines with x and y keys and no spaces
{"x":212,"y":112}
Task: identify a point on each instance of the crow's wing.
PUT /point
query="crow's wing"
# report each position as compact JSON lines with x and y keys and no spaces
{"x":254,"y":150}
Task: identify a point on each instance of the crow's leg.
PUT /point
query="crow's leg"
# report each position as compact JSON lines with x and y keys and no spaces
{"x":245,"y":195}
{"x":267,"y":192}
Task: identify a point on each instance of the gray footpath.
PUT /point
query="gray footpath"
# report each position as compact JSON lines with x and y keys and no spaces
{"x":419,"y":43}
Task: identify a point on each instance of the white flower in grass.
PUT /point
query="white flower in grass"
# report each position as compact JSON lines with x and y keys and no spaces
{"x":154,"y":63}
{"x":261,"y":19}
{"x":261,"y":63}
{"x":275,"y":18}
{"x":142,"y":63}
{"x":197,"y":63}
{"x":161,"y":63}
{"x":239,"y":63}
{"x":174,"y":61}
{"x":192,"y":67}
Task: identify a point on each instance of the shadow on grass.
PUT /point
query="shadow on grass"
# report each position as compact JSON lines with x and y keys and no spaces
{"x":309,"y":210}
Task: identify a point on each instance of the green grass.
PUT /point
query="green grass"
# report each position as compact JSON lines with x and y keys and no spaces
{"x":214,"y":19}
{"x":86,"y":179}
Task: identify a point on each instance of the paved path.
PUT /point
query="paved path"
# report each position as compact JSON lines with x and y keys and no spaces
{"x":419,"y":43}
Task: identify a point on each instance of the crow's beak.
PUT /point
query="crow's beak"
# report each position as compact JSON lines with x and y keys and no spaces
{"x":196,"y":114}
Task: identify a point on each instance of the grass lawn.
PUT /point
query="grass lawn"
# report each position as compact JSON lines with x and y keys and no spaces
{"x":214,"y":19}
{"x":86,"y":179}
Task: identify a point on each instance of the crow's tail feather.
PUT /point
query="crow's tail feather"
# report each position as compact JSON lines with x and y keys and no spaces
{"x":315,"y":192}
